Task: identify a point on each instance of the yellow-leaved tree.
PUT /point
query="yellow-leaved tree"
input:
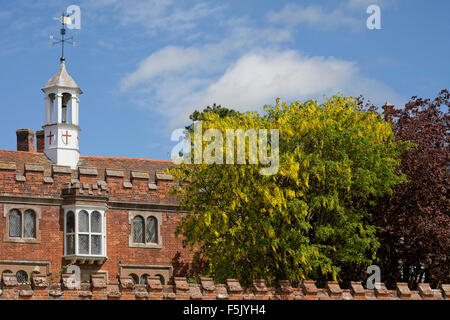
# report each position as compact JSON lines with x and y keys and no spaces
{"x":304,"y":218}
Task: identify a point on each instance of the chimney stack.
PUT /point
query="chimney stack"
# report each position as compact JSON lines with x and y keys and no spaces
{"x":25,"y":140}
{"x":40,"y":142}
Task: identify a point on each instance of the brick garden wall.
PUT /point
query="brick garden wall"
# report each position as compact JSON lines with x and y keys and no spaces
{"x":98,"y":289}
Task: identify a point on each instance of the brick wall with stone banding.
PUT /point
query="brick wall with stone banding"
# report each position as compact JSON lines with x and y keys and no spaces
{"x":41,"y":288}
{"x":123,"y":185}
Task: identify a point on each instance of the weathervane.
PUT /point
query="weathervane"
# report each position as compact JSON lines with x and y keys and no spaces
{"x":64,"y":19}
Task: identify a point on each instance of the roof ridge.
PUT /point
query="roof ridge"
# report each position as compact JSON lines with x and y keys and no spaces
{"x":127,"y":158}
{"x":33,"y":152}
{"x":85,"y":156}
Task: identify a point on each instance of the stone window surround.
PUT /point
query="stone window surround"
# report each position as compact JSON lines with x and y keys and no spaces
{"x":145,"y":215}
{"x":152,"y":270}
{"x":41,"y":267}
{"x":21,"y":207}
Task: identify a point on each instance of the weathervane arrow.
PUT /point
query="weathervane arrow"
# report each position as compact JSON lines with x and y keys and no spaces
{"x":65,"y":20}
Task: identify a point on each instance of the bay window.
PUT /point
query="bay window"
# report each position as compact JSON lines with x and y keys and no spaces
{"x":84,"y":234}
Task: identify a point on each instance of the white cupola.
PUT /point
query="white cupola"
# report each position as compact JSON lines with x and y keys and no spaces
{"x":61,"y":119}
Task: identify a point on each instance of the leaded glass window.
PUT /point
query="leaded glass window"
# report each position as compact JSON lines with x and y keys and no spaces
{"x":145,"y":230}
{"x":70,"y":222}
{"x":138,"y":229}
{"x":22,"y":276}
{"x":85,"y":237}
{"x":70,"y":233}
{"x":96,"y":244}
{"x":151,"y":230}
{"x":83,"y":244}
{"x":83,"y":221}
{"x":83,"y":226}
{"x":96,"y":222}
{"x":70,"y":242}
{"x":15,"y":223}
{"x":29,"y":224}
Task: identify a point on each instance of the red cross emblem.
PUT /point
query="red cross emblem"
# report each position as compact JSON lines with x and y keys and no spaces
{"x":66,"y":135}
{"x":50,"y":137}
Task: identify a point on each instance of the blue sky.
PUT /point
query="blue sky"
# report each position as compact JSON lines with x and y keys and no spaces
{"x":144,"y":66}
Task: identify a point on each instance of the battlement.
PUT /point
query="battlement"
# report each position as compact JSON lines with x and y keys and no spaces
{"x":98,"y":288}
{"x":34,"y":179}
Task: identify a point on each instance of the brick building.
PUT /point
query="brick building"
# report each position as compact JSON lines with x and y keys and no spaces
{"x":112,"y":217}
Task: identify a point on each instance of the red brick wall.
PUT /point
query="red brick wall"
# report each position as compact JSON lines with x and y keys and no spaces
{"x":118,"y":228}
{"x":206,"y":289}
{"x":49,"y":249}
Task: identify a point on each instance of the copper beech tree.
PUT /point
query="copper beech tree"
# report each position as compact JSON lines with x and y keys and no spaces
{"x":414,"y":223}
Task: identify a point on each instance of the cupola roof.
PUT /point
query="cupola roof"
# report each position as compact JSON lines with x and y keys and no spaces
{"x":62,"y":79}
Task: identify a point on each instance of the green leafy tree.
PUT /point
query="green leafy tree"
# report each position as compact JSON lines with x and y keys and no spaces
{"x":222,"y":112}
{"x":308,"y":218}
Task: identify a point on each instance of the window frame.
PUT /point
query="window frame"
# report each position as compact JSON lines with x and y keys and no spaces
{"x":7,"y":208}
{"x":145,"y":215}
{"x":151,"y":218}
{"x":76,"y":209}
{"x":67,"y":233}
{"x":20,"y":222}
{"x":24,"y":222}
{"x":142,"y":225}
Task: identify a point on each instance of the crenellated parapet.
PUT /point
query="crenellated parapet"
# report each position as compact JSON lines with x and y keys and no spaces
{"x":49,"y":180}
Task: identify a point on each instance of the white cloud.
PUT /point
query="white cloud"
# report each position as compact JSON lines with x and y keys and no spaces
{"x":258,"y":78}
{"x":363,"y":4}
{"x":163,"y":61}
{"x":205,"y":60}
{"x":241,"y":72}
{"x":152,"y":15}
{"x":255,"y":79}
{"x":315,"y":16}
{"x":349,"y":14}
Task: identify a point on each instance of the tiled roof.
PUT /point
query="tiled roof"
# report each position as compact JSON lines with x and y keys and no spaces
{"x":20,"y":158}
{"x":125,"y":164}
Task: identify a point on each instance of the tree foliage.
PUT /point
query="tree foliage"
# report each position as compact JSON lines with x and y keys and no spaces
{"x":222,"y":112}
{"x":310,"y":218}
{"x":415,"y":222}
